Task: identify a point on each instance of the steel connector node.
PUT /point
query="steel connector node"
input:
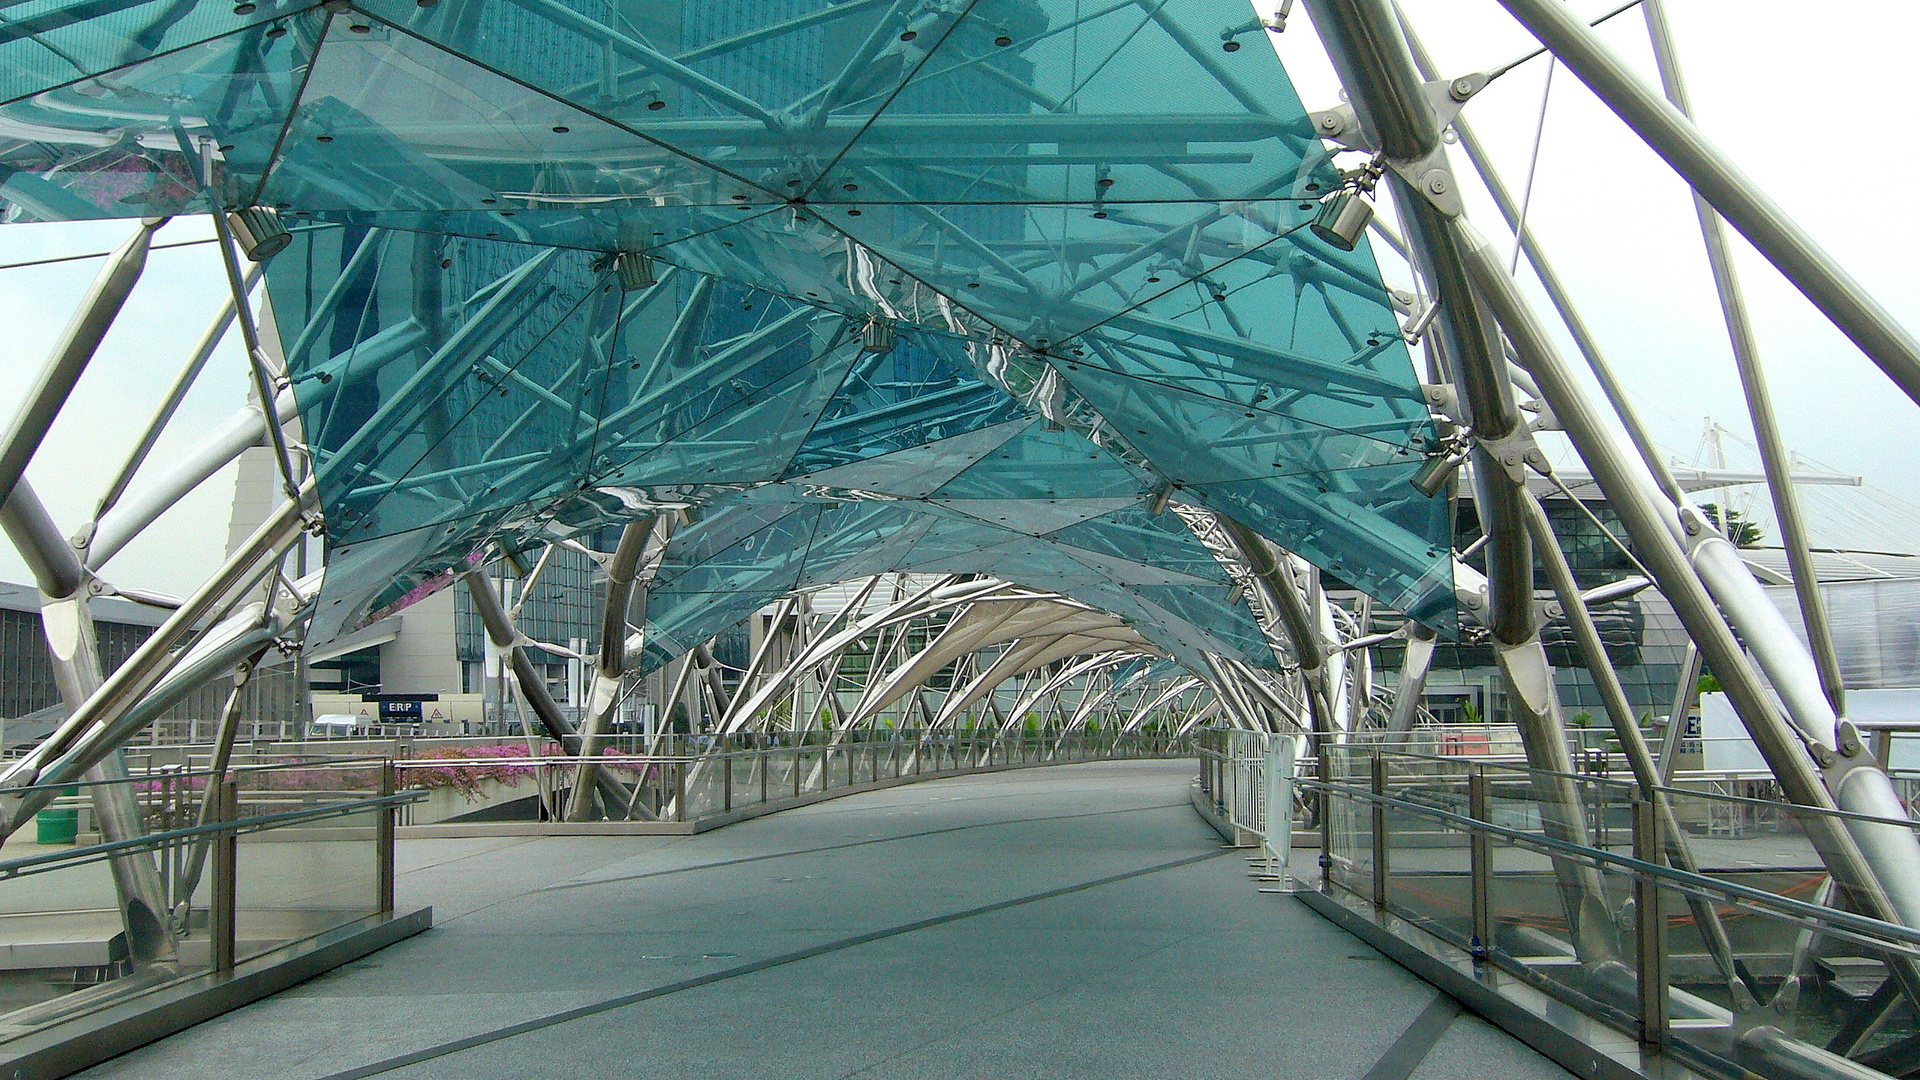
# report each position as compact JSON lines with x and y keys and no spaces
{"x":258,"y":231}
{"x":635,"y":271}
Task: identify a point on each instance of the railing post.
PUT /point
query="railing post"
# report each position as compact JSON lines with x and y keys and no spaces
{"x":1323,"y":764}
{"x":798,"y":754}
{"x":680,"y":791}
{"x":222,"y":922}
{"x":1650,"y":927}
{"x":384,"y":836}
{"x":1480,"y":862}
{"x":1379,"y":832}
{"x":726,"y":777}
{"x":765,"y":754}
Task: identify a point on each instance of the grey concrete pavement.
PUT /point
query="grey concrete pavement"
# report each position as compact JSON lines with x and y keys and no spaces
{"x":958,"y":928}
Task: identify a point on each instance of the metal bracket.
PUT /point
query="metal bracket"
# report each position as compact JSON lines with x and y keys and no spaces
{"x":1516,"y":452}
{"x":1430,"y":175}
{"x":1340,"y":124}
{"x":1443,"y":399}
{"x":1470,"y":592}
{"x":1433,"y":179}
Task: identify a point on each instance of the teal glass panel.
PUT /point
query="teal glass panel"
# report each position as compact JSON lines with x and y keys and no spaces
{"x":46,"y":44}
{"x":771,"y":90}
{"x":1208,"y":609}
{"x":1160,"y":540}
{"x":1042,"y":464}
{"x":921,"y":391}
{"x":1035,"y":517}
{"x":1084,"y":74}
{"x":727,"y":523}
{"x":132,"y":144}
{"x":748,"y":442}
{"x":690,"y":603}
{"x":390,"y":122}
{"x":444,"y":413}
{"x":1092,"y":214}
{"x":1365,"y":544}
{"x":917,"y":471}
{"x":883,"y":557}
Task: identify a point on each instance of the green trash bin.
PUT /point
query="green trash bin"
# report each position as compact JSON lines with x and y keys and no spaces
{"x":57,"y":826}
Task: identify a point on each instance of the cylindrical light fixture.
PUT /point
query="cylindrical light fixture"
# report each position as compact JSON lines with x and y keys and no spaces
{"x":1343,"y":217}
{"x":635,"y":270}
{"x":1433,"y":474}
{"x":877,"y":337}
{"x":258,"y":231}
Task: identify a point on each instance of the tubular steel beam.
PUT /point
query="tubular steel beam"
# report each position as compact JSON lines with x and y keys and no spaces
{"x":1583,"y":336}
{"x":621,"y":570}
{"x":1628,"y":492}
{"x":70,"y":358}
{"x":1765,"y":225}
{"x":1380,"y":76}
{"x":1753,"y":380}
{"x":533,"y":685}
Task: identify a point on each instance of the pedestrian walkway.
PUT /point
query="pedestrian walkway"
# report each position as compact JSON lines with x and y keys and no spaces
{"x":1062,"y":922}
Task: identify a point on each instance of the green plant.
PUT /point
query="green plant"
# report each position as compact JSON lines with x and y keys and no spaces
{"x":1742,"y":533}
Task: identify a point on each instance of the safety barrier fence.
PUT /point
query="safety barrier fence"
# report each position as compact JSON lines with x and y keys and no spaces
{"x":216,"y":870}
{"x":699,"y":779}
{"x":1702,"y":925}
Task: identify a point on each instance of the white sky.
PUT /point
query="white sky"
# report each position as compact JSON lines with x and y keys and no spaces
{"x":1767,"y":81}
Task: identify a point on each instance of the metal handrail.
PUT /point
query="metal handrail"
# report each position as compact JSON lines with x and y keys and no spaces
{"x":1859,"y":928}
{"x":57,"y":860}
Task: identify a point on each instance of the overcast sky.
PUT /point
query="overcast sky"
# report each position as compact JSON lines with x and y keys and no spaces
{"x":1815,"y":110}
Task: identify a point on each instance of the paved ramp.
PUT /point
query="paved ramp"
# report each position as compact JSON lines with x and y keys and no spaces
{"x":1076,"y":921}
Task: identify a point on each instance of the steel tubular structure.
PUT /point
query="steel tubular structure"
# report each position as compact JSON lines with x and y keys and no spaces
{"x":990,"y":414}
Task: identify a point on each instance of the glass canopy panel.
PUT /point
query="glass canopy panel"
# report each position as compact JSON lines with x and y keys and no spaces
{"x":1044,"y":273}
{"x":131,"y":144}
{"x":728,"y":521}
{"x":388,"y":122}
{"x":917,"y":471}
{"x":368,"y":581}
{"x":1107,"y":102}
{"x":453,"y":386}
{"x":1036,"y":517}
{"x":854,"y":536}
{"x":1042,"y":464}
{"x":689,"y":604}
{"x":749,"y":441}
{"x":1160,"y":540}
{"x":922,"y":390}
{"x":1211,"y":610}
{"x":431,"y":412}
{"x":52,"y":43}
{"x":765,"y":89}
{"x":879,"y":558}
{"x":1385,"y":540}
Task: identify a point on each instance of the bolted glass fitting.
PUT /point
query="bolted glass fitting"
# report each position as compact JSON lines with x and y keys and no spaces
{"x":258,"y":231}
{"x":1342,"y":218}
{"x":877,"y":337}
{"x":635,"y":270}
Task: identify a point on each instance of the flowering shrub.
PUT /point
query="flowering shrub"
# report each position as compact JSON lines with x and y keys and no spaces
{"x":467,"y":766}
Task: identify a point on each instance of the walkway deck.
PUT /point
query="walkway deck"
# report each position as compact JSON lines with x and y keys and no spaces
{"x":1077,"y":921}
